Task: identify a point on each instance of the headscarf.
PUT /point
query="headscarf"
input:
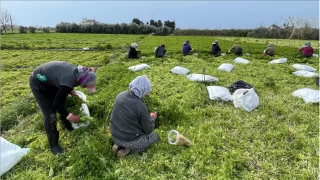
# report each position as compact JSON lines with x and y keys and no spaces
{"x":140,"y":86}
{"x":187,"y":42}
{"x":86,"y":78}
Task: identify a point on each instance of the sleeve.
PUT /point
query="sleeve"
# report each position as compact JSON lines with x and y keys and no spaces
{"x":301,"y":49}
{"x":165,"y":51}
{"x":147,"y":123}
{"x":59,"y":100}
{"x":232,"y":49}
{"x":219,"y":48}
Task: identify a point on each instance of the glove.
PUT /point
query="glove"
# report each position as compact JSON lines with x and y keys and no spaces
{"x":73,"y":118}
{"x":154,"y":115}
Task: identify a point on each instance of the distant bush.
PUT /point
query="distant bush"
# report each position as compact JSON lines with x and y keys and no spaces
{"x":22,"y":29}
{"x":32,"y":29}
{"x":46,"y":29}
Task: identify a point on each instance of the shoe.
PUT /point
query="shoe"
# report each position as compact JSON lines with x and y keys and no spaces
{"x":121,"y":151}
{"x":53,"y":139}
{"x":114,"y":148}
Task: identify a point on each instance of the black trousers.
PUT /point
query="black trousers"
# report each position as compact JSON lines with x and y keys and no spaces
{"x":45,"y":95}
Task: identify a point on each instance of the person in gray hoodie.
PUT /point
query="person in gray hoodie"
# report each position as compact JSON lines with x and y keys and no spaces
{"x":131,"y":124}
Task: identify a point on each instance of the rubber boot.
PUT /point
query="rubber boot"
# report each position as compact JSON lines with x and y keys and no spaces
{"x":54,"y":143}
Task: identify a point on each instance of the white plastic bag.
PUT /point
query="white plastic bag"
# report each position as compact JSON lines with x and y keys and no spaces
{"x":246,"y":99}
{"x":139,"y":67}
{"x":201,"y":78}
{"x":179,"y":70}
{"x":278,"y":61}
{"x":308,"y":95}
{"x":219,"y":93}
{"x":11,"y":154}
{"x":225,"y":67}
{"x":305,"y":73}
{"x":304,"y":67}
{"x":84,"y":109}
{"x":315,"y":55}
{"x":241,"y":60}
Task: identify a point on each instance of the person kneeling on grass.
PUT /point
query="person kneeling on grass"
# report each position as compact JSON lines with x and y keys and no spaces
{"x":215,"y":49}
{"x":160,"y":51}
{"x":51,"y":83}
{"x":306,"y":50}
{"x":186,"y":48}
{"x":133,"y":53}
{"x":270,"y":50}
{"x":131,"y":124}
{"x":236,"y":49}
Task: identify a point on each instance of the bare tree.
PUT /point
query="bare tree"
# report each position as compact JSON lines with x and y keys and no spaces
{"x":5,"y":20}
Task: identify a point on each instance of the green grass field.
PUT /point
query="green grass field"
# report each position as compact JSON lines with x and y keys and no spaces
{"x":277,"y":140}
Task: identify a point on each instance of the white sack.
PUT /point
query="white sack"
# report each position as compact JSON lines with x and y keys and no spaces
{"x":241,"y":60}
{"x":201,"y":78}
{"x":305,"y":73}
{"x":180,"y":70}
{"x":11,"y":154}
{"x":308,"y":95}
{"x":315,"y":55}
{"x":219,"y":93}
{"x":139,"y":67}
{"x":225,"y":67}
{"x":246,"y":99}
{"x":84,"y":109}
{"x":278,"y":61}
{"x":304,"y":67}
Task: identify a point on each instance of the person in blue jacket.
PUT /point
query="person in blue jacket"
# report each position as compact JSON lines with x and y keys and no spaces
{"x":215,"y":50}
{"x":186,"y":48}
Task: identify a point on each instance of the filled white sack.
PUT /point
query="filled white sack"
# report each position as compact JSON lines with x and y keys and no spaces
{"x":11,"y":154}
{"x":305,"y":73}
{"x":84,"y":109}
{"x":308,"y":95}
{"x":219,"y":93}
{"x":179,"y":70}
{"x":139,"y":67}
{"x":278,"y":61}
{"x":225,"y":67}
{"x":315,"y":55}
{"x":304,"y":67}
{"x":201,"y":78}
{"x":246,"y":99}
{"x":241,"y":60}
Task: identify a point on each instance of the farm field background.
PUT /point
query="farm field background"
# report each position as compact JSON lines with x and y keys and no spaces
{"x":278,"y":140}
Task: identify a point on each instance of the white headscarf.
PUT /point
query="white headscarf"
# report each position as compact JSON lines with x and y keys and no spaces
{"x":140,"y":86}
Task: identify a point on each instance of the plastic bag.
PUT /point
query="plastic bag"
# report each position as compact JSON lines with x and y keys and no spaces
{"x":225,"y":67}
{"x":304,"y":67}
{"x":315,"y":55}
{"x":305,"y":73}
{"x":241,"y":60}
{"x":308,"y":95}
{"x":139,"y":67}
{"x":219,"y":93}
{"x":180,"y":70}
{"x":246,"y":99}
{"x":278,"y":61}
{"x":201,"y":78}
{"x":84,"y":109}
{"x":11,"y":155}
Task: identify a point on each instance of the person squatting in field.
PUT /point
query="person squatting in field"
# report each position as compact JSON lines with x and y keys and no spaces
{"x":131,"y":124}
{"x":215,"y":49}
{"x":133,"y":53}
{"x":270,"y":50}
{"x":306,"y":50}
{"x":51,"y":83}
{"x":236,"y":49}
{"x":160,"y":51}
{"x":186,"y":48}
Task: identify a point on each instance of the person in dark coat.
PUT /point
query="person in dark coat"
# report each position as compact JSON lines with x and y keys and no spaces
{"x":236,"y":49}
{"x":186,"y":48}
{"x":51,"y":83}
{"x":270,"y":50}
{"x":160,"y":51}
{"x":133,"y":53}
{"x":215,"y":50}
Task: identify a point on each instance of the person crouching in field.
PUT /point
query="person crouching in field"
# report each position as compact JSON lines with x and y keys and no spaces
{"x":131,"y":124}
{"x":133,"y":53}
{"x":215,"y":50}
{"x":236,"y":49}
{"x":270,"y":50}
{"x":50,"y":84}
{"x":186,"y":48}
{"x":306,"y":50}
{"x":160,"y":51}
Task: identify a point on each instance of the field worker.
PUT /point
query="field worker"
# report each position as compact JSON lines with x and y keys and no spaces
{"x":160,"y":51}
{"x":131,"y":124}
{"x":270,"y":50}
{"x":186,"y":48}
{"x":133,"y":53}
{"x":236,"y":49}
{"x":306,"y":50}
{"x":50,"y":84}
{"x":215,"y":50}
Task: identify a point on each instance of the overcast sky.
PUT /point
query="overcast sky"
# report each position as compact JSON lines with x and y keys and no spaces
{"x":187,"y":14}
